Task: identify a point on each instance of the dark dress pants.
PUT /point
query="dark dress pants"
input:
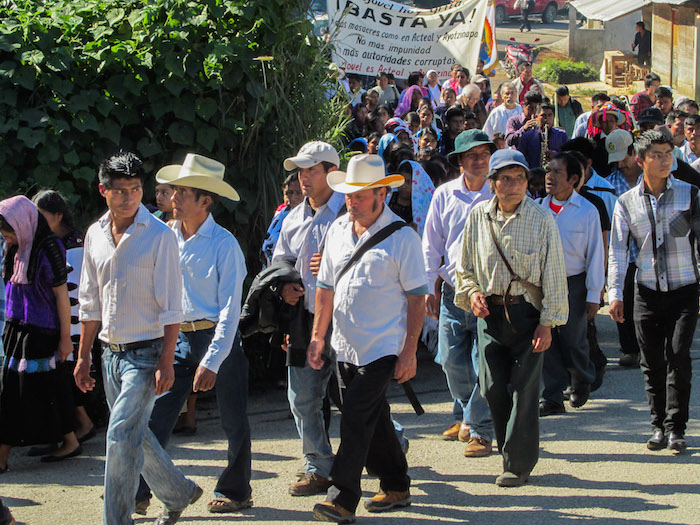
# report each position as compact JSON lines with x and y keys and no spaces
{"x":367,"y":435}
{"x":626,"y":332}
{"x":665,"y":324}
{"x":510,"y":374}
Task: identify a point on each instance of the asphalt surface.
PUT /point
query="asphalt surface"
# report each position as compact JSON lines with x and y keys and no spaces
{"x":594,"y":466}
{"x":547,"y":33}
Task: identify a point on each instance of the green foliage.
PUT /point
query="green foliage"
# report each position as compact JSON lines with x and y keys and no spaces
{"x":81,"y":79}
{"x":556,"y":71}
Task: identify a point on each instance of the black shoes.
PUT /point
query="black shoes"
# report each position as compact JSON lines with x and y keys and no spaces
{"x":547,"y":408}
{"x":676,"y":443}
{"x":658,"y":440}
{"x":579,"y":396}
{"x":629,"y":360}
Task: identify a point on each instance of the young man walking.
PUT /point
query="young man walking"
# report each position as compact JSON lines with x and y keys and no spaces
{"x":131,"y":285}
{"x":209,"y":352}
{"x":660,"y":217}
{"x":377,"y":305}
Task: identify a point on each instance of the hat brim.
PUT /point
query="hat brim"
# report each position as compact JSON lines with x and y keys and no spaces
{"x":617,"y":156}
{"x":509,"y":165}
{"x":299,"y":162}
{"x":336,"y":180}
{"x":171,"y":175}
{"x":452,"y":157}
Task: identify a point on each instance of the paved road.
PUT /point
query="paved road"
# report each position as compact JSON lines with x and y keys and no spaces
{"x":547,"y":33}
{"x":593,"y":467}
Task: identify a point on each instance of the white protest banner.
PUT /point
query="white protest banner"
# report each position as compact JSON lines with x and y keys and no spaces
{"x":371,"y":36}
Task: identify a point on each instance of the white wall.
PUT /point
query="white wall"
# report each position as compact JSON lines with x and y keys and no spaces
{"x":589,"y":44}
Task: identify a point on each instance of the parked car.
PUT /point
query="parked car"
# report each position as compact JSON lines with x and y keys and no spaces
{"x":547,"y":8}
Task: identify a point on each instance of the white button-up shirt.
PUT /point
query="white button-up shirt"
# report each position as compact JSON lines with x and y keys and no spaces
{"x":134,"y":288}
{"x":369,"y":304}
{"x":497,"y":120}
{"x":578,"y":222}
{"x":303,"y":234}
{"x":444,"y":227}
{"x":213,"y":270}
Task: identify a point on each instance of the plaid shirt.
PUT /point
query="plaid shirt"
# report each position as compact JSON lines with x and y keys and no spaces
{"x":665,"y":263}
{"x":639,"y":103}
{"x":530,"y":240}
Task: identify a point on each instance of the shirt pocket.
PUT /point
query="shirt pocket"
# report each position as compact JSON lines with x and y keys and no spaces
{"x":525,"y":266}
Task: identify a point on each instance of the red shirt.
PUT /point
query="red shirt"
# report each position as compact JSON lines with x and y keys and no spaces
{"x":526,"y":88}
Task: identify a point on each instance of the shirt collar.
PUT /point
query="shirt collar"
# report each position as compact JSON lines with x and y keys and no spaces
{"x":205,"y":230}
{"x":669,"y":184}
{"x":492,"y":208}
{"x":142,"y":216}
{"x":462,"y":187}
{"x":334,"y":203}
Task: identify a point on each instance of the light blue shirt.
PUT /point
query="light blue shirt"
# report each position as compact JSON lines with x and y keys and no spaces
{"x":213,"y":270}
{"x":609,"y":197}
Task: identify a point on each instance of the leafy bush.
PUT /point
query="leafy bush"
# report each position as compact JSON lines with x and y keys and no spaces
{"x":81,"y":79}
{"x":557,"y":71}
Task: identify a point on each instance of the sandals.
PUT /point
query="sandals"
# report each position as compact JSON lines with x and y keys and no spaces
{"x":222,"y":505}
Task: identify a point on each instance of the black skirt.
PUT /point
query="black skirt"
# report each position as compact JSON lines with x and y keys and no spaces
{"x":30,"y":410}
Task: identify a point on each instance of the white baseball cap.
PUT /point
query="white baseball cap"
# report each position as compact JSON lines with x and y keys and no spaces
{"x":312,"y":153}
{"x":617,"y":144}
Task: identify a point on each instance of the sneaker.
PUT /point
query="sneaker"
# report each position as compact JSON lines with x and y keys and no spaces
{"x":477,"y":447}
{"x":309,"y":484}
{"x":677,"y":443}
{"x":388,"y":500}
{"x":509,"y":479}
{"x":452,"y":433}
{"x":328,"y":511}
{"x":170,"y":517}
{"x":658,"y":440}
{"x":629,"y":360}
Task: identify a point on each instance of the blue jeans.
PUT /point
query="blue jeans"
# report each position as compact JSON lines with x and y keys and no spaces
{"x":306,"y":389}
{"x":458,"y":356}
{"x":232,"y":398}
{"x":129,"y":382}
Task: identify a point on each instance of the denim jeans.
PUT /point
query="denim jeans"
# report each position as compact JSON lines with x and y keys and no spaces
{"x":306,"y":389}
{"x":232,"y":398}
{"x":458,"y":356}
{"x":129,"y":382}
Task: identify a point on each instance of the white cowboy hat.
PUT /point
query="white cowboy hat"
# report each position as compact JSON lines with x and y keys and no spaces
{"x":364,"y":172}
{"x":198,"y":172}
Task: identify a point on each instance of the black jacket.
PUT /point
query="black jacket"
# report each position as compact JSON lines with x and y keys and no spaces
{"x":266,"y":312}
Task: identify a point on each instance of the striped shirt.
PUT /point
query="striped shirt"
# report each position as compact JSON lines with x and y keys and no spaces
{"x":660,"y":228}
{"x":134,"y":288}
{"x":530,"y":240}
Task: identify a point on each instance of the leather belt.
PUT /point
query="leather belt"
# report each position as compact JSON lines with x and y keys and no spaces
{"x":504,"y":300}
{"x":194,"y":326}
{"x":128,"y":347}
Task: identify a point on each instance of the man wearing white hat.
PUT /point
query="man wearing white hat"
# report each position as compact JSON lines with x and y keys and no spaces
{"x":209,"y":352}
{"x":301,"y":241}
{"x":372,"y":284}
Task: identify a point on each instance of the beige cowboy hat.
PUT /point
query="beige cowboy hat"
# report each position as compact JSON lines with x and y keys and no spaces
{"x":198,"y":172}
{"x":364,"y":172}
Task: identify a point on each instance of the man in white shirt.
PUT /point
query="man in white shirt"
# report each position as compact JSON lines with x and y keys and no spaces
{"x":209,"y":353}
{"x":302,"y":241}
{"x":377,"y":305}
{"x":131,"y":285}
{"x":568,"y":359}
{"x":691,"y":146}
{"x":497,"y":120}
{"x":442,"y":243}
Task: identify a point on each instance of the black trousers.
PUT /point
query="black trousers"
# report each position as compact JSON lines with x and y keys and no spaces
{"x":367,"y":435}
{"x":665,"y":323}
{"x":625,"y":331}
{"x":526,"y":20}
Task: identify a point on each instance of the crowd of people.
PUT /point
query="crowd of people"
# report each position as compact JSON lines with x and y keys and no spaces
{"x":495,"y":220}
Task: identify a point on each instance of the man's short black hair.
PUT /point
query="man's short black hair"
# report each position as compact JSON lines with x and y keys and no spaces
{"x":412,"y":118}
{"x":453,"y":112}
{"x":663,"y":92}
{"x":641,"y":24}
{"x":647,"y":139}
{"x":382,"y":74}
{"x":533,"y":97}
{"x":601,"y":96}
{"x":562,"y":91}
{"x":390,"y":76}
{"x":123,"y":165}
{"x":470,"y":115}
{"x":583,"y":145}
{"x":545,"y":105}
{"x":572,"y":164}
{"x":650,"y":78}
{"x":203,"y":193}
{"x":523,"y":65}
{"x":413,"y":78}
{"x":673,"y":115}
{"x":692,"y":120}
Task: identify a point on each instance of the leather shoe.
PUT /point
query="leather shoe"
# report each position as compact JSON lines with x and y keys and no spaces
{"x":658,"y":440}
{"x":477,"y":448}
{"x":452,"y":433}
{"x":309,"y":484}
{"x":509,"y":479}
{"x":170,"y":517}
{"x":547,"y":408}
{"x":55,"y":459}
{"x":329,"y":511}
{"x":580,"y":396}
{"x":629,"y":360}
{"x":677,"y":443}
{"x":464,"y":435}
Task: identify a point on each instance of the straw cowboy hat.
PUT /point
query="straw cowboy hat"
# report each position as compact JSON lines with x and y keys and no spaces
{"x":198,"y":172}
{"x":364,"y":172}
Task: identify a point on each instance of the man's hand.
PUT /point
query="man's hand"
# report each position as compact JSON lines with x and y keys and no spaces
{"x":291,"y":292}
{"x":285,"y":343}
{"x":315,"y":264}
{"x":204,"y":379}
{"x":542,"y":338}
{"x":480,"y":307}
{"x":165,"y":377}
{"x":405,"y":368}
{"x":617,"y":311}
{"x":529,"y":124}
{"x":314,"y":352}
{"x":81,"y":373}
{"x":432,"y":306}
{"x":65,"y":348}
{"x":591,"y":310}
